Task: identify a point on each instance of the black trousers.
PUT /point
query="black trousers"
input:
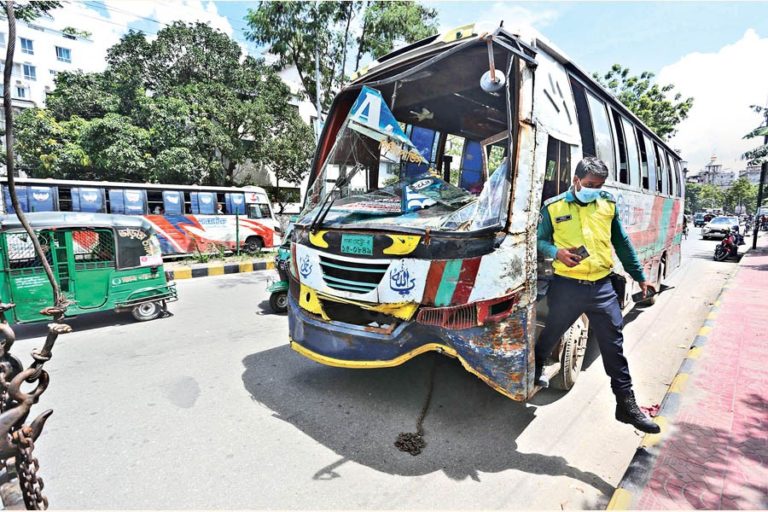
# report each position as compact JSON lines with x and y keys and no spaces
{"x":567,"y":301}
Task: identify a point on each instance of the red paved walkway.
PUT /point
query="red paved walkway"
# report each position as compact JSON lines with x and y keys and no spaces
{"x":715,"y":455}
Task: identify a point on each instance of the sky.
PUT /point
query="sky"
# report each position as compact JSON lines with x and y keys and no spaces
{"x":716,"y":52}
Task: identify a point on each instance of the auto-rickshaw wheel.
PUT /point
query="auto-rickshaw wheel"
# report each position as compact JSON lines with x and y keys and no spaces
{"x":574,"y":343}
{"x":278,"y":301}
{"x":147,"y":311}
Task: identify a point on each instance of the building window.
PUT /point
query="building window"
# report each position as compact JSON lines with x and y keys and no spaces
{"x":63,"y":54}
{"x":30,"y":72}
{"x":27,"y":47}
{"x":21,"y":92}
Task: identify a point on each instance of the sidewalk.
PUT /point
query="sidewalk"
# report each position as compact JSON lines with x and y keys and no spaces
{"x":712,"y":452}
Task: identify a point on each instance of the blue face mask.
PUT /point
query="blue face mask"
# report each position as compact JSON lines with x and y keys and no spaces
{"x":586,"y":195}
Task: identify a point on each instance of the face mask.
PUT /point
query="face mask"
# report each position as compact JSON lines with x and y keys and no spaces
{"x":587,"y":195}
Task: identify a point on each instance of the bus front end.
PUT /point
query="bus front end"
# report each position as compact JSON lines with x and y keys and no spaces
{"x":407,"y":242}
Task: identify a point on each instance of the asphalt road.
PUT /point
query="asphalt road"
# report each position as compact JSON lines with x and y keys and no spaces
{"x":211,"y":409}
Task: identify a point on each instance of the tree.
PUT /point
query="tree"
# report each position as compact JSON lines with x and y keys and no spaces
{"x":647,"y":100}
{"x":29,"y":11}
{"x":183,"y":108}
{"x":711,"y":196}
{"x":298,"y":32}
{"x":759,"y":154}
{"x":741,"y":193}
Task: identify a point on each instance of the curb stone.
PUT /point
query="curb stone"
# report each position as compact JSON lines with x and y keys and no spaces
{"x":639,"y":471}
{"x":218,"y":269}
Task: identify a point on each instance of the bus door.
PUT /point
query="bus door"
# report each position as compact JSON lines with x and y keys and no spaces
{"x":91,"y":255}
{"x":29,"y":286}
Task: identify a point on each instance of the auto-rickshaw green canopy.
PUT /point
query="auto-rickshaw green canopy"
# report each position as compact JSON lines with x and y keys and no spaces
{"x":99,"y":261}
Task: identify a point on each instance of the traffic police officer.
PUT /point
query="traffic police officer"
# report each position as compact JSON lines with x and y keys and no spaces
{"x":586,"y":217}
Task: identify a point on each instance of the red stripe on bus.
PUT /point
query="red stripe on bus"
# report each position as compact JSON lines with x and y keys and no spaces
{"x":434,"y":276}
{"x":466,"y":281}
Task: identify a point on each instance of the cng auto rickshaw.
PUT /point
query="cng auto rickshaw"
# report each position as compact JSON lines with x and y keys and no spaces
{"x":99,"y":261}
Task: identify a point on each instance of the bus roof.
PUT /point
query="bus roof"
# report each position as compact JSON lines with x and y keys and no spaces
{"x":50,"y":182}
{"x":528,"y":36}
{"x":42,"y":220}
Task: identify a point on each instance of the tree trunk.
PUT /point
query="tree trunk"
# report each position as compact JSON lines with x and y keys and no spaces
{"x":362,"y":37}
{"x":344,"y":50}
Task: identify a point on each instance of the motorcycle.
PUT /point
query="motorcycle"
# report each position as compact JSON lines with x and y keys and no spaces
{"x":729,"y":246}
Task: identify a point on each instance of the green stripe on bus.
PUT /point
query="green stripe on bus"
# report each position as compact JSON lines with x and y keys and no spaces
{"x":448,"y":282}
{"x":666,"y":214}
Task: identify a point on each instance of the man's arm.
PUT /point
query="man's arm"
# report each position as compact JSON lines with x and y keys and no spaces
{"x":544,"y":235}
{"x":625,"y":251}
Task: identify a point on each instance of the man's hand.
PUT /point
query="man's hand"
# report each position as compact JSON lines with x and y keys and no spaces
{"x":644,"y":288}
{"x":568,"y":257}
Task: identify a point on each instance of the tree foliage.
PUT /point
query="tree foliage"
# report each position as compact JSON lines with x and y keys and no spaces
{"x":647,"y":100}
{"x":30,"y":10}
{"x":183,"y":108}
{"x":741,"y":194}
{"x":296,"y":31}
{"x":759,"y":154}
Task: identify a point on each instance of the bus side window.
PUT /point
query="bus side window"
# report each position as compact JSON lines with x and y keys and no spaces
{"x":679,"y":177}
{"x":155,"y":202}
{"x":671,"y":175}
{"x":633,"y":162}
{"x":601,"y":125}
{"x":651,"y":162}
{"x":425,"y":141}
{"x":173,"y":202}
{"x":471,"y":166}
{"x":585,"y":120}
{"x":662,"y":171}
{"x":557,"y":174}
{"x":622,"y":148}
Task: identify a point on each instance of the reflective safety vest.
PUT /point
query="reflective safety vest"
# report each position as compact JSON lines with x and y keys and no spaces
{"x":590,"y":225}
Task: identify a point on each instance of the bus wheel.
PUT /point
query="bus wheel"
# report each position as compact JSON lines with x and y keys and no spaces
{"x":253,"y":244}
{"x":574,"y":343}
{"x":146,"y":311}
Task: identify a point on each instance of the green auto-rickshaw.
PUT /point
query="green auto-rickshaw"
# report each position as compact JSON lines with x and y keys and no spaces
{"x":100,"y":262}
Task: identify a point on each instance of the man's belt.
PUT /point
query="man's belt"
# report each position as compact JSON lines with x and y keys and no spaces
{"x":584,"y":281}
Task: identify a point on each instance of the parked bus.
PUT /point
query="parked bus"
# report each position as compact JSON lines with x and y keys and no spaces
{"x":186,"y":218}
{"x":418,"y":231}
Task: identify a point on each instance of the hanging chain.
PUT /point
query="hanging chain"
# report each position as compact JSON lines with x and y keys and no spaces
{"x":413,"y":442}
{"x":17,"y":438}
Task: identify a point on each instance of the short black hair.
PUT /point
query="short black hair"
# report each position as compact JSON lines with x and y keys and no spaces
{"x":591,"y":165}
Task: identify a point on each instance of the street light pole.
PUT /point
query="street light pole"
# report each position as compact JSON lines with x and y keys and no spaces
{"x":763,"y":172}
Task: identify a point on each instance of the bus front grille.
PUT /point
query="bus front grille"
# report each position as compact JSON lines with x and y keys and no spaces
{"x":352,"y":276}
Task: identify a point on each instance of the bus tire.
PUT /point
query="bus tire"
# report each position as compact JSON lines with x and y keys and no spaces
{"x":147,"y":311}
{"x":253,"y":244}
{"x":574,"y":343}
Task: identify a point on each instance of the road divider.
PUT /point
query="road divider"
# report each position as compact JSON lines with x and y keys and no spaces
{"x":217,"y":269}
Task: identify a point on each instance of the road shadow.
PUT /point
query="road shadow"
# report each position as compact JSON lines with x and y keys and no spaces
{"x":80,"y":323}
{"x":259,"y":277}
{"x":469,"y":429}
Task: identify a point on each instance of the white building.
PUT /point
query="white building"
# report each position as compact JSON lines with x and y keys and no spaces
{"x":714,"y":174}
{"x":751,"y":173}
{"x":44,"y":49}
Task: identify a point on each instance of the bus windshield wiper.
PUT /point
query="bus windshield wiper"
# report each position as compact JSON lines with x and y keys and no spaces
{"x":317,"y":222}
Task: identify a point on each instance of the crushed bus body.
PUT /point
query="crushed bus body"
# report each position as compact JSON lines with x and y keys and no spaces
{"x":418,"y":231}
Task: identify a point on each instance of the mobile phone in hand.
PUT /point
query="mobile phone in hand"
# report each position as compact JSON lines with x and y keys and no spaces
{"x":581,"y":252}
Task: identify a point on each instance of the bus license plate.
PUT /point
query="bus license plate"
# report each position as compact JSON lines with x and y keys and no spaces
{"x":357,"y":244}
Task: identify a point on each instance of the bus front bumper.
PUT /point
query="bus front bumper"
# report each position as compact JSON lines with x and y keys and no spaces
{"x":498,"y":354}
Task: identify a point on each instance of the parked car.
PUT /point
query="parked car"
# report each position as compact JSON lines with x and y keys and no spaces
{"x":698,"y":220}
{"x":719,"y":227}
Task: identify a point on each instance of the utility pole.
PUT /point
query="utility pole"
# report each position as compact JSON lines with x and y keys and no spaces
{"x":763,"y":172}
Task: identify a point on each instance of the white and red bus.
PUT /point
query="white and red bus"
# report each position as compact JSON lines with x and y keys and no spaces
{"x":187,"y":218}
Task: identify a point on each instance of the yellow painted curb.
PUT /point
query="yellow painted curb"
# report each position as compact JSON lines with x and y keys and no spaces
{"x":678,"y":383}
{"x":270,"y":265}
{"x":621,"y":500}
{"x":694,"y":353}
{"x":717,"y":303}
{"x":182,"y":273}
{"x":216,"y":270}
{"x":246,"y":266}
{"x":712,"y":315}
{"x":705,"y":330}
{"x":654,"y":439}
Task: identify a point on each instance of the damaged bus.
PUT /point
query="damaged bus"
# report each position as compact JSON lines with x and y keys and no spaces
{"x":418,"y":231}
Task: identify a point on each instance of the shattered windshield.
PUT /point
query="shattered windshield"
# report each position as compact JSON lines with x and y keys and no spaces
{"x":385,"y":172}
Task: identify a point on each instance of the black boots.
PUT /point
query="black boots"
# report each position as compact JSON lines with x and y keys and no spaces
{"x":627,"y":411}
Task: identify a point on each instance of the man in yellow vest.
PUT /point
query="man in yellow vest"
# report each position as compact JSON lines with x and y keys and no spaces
{"x":578,"y":229}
